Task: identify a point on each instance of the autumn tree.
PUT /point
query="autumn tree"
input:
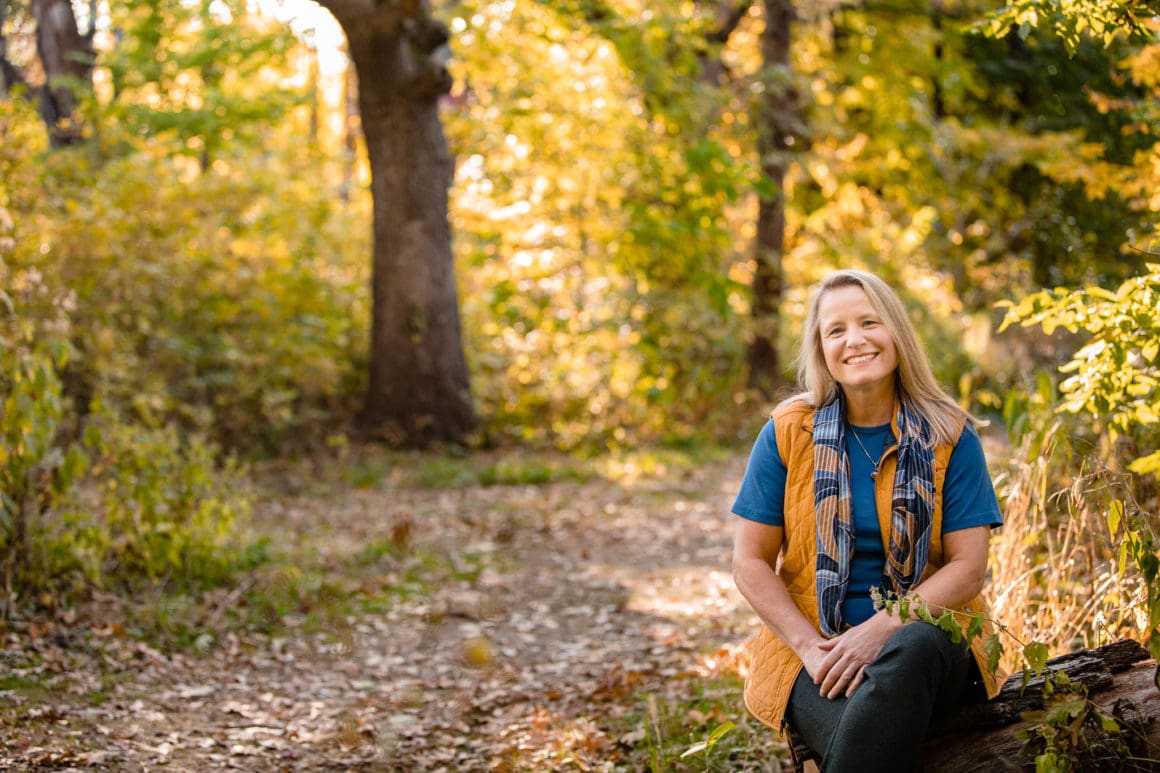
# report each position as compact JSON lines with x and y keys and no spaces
{"x":66,"y":58}
{"x":418,"y":384}
{"x":217,"y":88}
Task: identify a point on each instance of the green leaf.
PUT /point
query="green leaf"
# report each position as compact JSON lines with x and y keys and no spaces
{"x":720,"y":731}
{"x":1107,"y":723}
{"x":1115,"y":512}
{"x":975,"y":628}
{"x":994,"y":649}
{"x":1036,"y":655}
{"x":1146,"y":464}
{"x":948,"y":623}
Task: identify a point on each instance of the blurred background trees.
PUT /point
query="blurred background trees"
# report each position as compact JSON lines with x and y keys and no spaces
{"x":637,"y":199}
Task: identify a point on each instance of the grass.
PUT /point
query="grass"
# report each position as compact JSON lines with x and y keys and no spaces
{"x":366,"y":467}
{"x":696,"y":725}
{"x":15,"y":682}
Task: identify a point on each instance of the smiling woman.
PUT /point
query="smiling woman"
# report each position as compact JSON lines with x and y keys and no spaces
{"x":870,"y":453}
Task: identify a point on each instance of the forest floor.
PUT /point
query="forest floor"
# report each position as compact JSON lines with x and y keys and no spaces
{"x":422,"y":614}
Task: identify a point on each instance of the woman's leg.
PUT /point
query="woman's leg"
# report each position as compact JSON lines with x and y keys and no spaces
{"x":882,"y":725}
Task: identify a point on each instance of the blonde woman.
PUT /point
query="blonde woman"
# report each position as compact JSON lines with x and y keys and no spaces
{"x":870,"y":477}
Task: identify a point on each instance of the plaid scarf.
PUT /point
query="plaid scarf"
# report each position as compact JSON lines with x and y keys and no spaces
{"x":911,"y":517}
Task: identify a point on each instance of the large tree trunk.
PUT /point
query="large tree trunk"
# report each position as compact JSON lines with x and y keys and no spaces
{"x":67,"y":58}
{"x":418,"y":386}
{"x":775,"y":142}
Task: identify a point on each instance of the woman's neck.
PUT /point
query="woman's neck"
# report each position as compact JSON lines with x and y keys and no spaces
{"x":869,"y":409}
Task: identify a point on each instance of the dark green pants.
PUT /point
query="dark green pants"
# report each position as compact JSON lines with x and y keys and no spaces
{"x":919,"y":675}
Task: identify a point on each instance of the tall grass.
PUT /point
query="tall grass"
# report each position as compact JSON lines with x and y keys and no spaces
{"x":1060,"y":575}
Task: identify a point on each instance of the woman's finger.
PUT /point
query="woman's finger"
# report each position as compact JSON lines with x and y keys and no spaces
{"x":840,"y":683}
{"x":856,"y":681}
{"x":828,"y":671}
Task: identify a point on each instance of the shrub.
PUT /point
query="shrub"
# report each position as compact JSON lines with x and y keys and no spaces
{"x":1088,"y":534}
{"x":154,"y":507}
{"x":34,"y":469}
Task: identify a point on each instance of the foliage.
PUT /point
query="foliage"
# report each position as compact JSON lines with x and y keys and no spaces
{"x":1114,"y":377}
{"x":35,"y":469}
{"x":603,"y":230}
{"x":597,"y":301}
{"x":123,"y":505}
{"x":207,"y":79}
{"x":1073,"y":20}
{"x":126,"y":503}
{"x":154,"y":508}
{"x":1073,"y":733}
{"x":706,"y":747}
{"x":1113,"y":386}
{"x":217,"y":303}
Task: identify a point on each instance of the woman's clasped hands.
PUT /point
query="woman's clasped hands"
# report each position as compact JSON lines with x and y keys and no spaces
{"x":838,"y":665}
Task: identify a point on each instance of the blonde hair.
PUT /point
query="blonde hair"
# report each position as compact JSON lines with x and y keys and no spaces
{"x":915,"y":382}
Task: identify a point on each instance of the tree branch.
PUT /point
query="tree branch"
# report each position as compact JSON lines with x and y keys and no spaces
{"x":729,"y":15}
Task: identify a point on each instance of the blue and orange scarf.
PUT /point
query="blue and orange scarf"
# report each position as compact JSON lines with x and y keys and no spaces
{"x":911,"y":516}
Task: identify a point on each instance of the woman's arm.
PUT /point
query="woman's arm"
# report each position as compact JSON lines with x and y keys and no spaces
{"x":958,"y":581}
{"x":755,"y":549}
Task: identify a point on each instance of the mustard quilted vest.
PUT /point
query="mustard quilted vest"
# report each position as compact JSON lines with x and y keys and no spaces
{"x":773,"y":665}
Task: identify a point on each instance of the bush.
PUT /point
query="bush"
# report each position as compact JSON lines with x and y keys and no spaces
{"x":231,"y":302}
{"x":1081,"y":543}
{"x":154,"y":508}
{"x":34,"y":469}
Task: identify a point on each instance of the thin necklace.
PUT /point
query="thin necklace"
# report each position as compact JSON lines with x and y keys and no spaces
{"x":873,"y":461}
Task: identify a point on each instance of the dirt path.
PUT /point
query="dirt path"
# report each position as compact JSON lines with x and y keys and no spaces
{"x":565,"y":606}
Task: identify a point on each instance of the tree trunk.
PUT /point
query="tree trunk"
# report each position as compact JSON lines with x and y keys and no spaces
{"x":1120,"y":680}
{"x":67,"y":58}
{"x":775,"y":142}
{"x":418,"y":384}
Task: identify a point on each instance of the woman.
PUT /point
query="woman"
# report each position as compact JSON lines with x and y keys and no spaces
{"x":869,"y":477}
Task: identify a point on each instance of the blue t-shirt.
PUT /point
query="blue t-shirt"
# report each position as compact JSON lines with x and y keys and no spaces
{"x":968,"y":498}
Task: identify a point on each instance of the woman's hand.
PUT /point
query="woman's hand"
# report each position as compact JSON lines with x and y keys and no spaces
{"x":813,"y":657}
{"x":845,"y":657}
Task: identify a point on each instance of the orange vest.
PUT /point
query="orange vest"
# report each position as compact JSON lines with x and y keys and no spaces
{"x":773,"y":665}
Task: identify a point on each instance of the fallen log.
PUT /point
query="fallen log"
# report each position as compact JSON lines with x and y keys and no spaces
{"x":1120,"y":681}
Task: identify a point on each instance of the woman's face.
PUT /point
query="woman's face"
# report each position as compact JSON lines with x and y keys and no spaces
{"x":859,"y":351}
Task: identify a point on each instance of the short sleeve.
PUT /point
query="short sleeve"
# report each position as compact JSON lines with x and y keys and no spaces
{"x":968,"y":492}
{"x":762,"y":494}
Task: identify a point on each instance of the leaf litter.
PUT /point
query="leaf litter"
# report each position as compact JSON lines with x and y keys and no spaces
{"x":564,"y":604}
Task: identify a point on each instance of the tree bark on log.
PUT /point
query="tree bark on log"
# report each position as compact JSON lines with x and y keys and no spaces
{"x":1120,"y":680}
